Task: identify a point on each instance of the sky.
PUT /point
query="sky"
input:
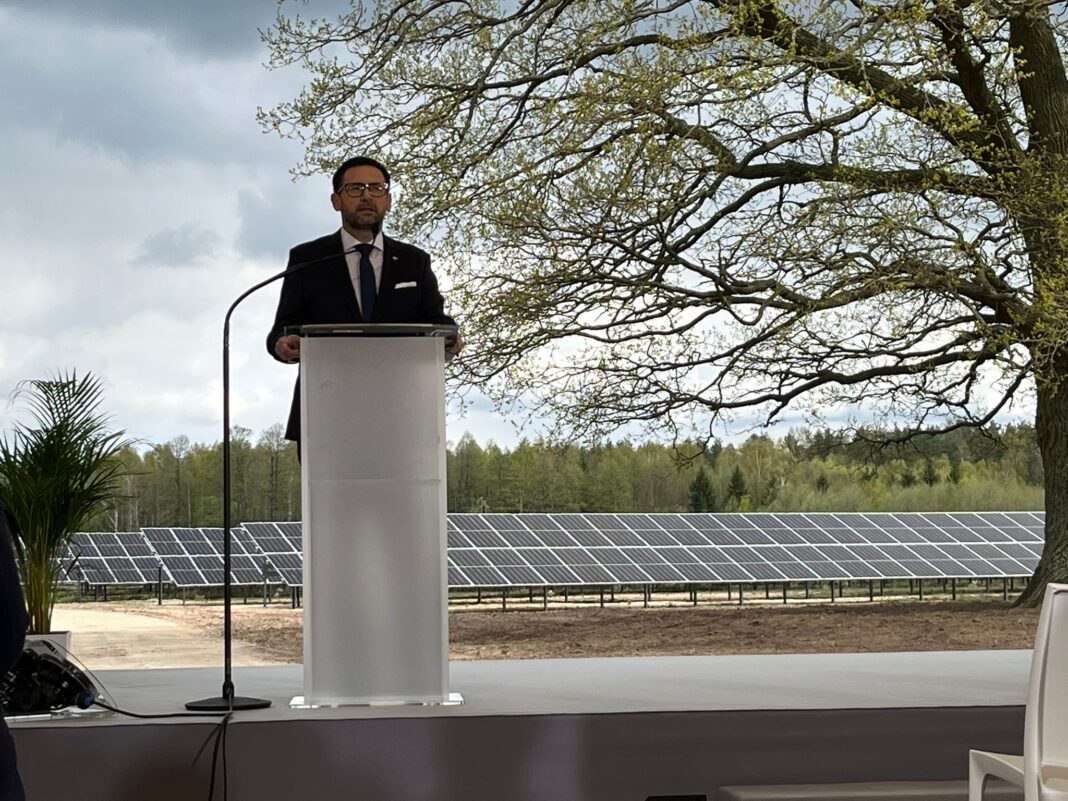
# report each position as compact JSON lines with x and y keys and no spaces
{"x":141,"y":197}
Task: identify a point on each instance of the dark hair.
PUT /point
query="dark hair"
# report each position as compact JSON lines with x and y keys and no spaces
{"x":358,"y":161}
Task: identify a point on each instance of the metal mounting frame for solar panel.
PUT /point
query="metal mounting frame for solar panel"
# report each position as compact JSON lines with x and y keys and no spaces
{"x":503,"y":550}
{"x":113,"y":558}
{"x":281,"y":545}
{"x":194,"y":556}
{"x":65,"y":564}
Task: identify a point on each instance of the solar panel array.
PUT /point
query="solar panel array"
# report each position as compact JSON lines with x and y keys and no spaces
{"x":281,"y":544}
{"x":194,"y":556}
{"x":502,"y":550}
{"x":527,"y":550}
{"x":112,"y":558}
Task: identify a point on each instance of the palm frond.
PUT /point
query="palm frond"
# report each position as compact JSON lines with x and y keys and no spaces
{"x":56,"y":472}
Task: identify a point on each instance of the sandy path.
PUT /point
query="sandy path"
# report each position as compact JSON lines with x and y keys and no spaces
{"x":117,"y":638}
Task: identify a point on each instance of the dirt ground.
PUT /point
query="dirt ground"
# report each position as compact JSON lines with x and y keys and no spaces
{"x":123,"y":634}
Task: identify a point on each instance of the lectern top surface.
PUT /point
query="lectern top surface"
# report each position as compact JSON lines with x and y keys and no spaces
{"x":373,"y":330}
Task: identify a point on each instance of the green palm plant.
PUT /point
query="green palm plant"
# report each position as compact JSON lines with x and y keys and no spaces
{"x":56,"y":473}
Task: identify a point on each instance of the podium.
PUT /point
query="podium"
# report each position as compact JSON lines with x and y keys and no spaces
{"x":374,"y":503}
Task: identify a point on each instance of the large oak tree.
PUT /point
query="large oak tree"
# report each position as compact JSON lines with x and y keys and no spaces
{"x":675,"y":211}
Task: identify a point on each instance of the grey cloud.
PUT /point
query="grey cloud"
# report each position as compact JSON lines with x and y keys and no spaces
{"x":142,"y":198}
{"x":210,"y":26}
{"x":273,"y":221}
{"x":130,"y":95}
{"x":215,"y":28}
{"x":177,"y":246}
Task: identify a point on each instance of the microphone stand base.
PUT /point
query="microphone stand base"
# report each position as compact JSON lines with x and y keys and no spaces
{"x":221,"y":704}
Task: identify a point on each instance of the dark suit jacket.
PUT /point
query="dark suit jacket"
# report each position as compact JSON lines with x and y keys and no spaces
{"x":13,"y":623}
{"x":323,"y":293}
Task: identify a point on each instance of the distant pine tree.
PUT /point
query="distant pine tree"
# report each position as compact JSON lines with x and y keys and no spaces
{"x":702,"y":496}
{"x":737,"y":489}
{"x":930,"y":475}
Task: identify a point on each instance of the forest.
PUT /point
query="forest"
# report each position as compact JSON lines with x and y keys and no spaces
{"x":178,"y":483}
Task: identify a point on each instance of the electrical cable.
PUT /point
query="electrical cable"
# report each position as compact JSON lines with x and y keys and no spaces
{"x":91,"y":700}
{"x":220,"y":736}
{"x":86,"y":700}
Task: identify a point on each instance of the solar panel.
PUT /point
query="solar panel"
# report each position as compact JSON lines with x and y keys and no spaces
{"x":518,"y":534}
{"x":456,"y":578}
{"x":574,"y":574}
{"x":503,"y":550}
{"x":722,"y":536}
{"x":795,"y":571}
{"x":454,"y":537}
{"x":281,"y":546}
{"x":521,"y":575}
{"x":613,"y":528}
{"x":484,"y":538}
{"x":559,"y":538}
{"x":486,"y":577}
{"x":194,"y":556}
{"x":101,"y":558}
{"x":757,"y":547}
{"x":468,"y":557}
{"x":731,"y":572}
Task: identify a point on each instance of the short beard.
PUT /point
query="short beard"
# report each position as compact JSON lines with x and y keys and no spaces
{"x":375,"y":227}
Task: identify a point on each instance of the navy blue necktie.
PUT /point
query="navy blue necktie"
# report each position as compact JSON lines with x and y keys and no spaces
{"x":367,"y":282}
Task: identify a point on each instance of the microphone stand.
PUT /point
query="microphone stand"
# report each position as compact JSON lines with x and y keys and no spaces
{"x":228,"y":702}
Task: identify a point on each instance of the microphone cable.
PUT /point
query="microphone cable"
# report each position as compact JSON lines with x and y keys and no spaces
{"x":85,"y":700}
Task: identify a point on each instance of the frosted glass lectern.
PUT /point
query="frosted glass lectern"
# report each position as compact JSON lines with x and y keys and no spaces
{"x":374,"y":493}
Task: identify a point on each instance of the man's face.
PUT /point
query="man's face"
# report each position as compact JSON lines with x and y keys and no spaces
{"x":362,"y":211}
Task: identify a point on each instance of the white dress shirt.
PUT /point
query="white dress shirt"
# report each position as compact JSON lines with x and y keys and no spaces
{"x":348,"y":242}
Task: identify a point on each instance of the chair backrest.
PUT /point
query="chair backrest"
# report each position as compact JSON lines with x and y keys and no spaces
{"x":1046,"y":721}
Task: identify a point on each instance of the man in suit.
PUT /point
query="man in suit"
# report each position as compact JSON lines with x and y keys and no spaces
{"x":14,"y":621}
{"x":359,"y":275}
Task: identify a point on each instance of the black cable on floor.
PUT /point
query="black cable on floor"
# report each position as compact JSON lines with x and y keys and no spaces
{"x":220,"y":736}
{"x":93,"y":701}
{"x":86,"y":700}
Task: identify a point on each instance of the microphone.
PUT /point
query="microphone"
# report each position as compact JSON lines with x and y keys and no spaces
{"x":289,"y":270}
{"x":300,"y":265}
{"x":228,"y":701}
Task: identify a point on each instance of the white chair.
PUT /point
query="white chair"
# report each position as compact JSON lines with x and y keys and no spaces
{"x":1042,"y":771}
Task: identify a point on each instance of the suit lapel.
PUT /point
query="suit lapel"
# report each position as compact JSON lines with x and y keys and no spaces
{"x":389,"y":280}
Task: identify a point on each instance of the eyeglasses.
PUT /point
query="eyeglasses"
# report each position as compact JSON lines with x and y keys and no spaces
{"x":356,"y":190}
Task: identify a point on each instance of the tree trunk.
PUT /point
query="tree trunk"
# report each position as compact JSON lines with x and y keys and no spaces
{"x":1051,"y":429}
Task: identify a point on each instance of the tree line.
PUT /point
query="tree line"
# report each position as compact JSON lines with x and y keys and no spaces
{"x":178,"y":483}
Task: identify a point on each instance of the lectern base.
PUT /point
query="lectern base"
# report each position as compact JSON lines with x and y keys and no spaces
{"x":454,"y":699}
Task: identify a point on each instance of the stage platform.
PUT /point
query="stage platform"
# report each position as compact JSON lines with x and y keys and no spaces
{"x":625,"y":729}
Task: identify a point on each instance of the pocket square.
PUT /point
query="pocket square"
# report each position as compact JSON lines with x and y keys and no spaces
{"x":406,"y":285}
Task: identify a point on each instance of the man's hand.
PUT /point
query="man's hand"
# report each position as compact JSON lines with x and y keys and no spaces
{"x":287,"y":348}
{"x":456,"y":345}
